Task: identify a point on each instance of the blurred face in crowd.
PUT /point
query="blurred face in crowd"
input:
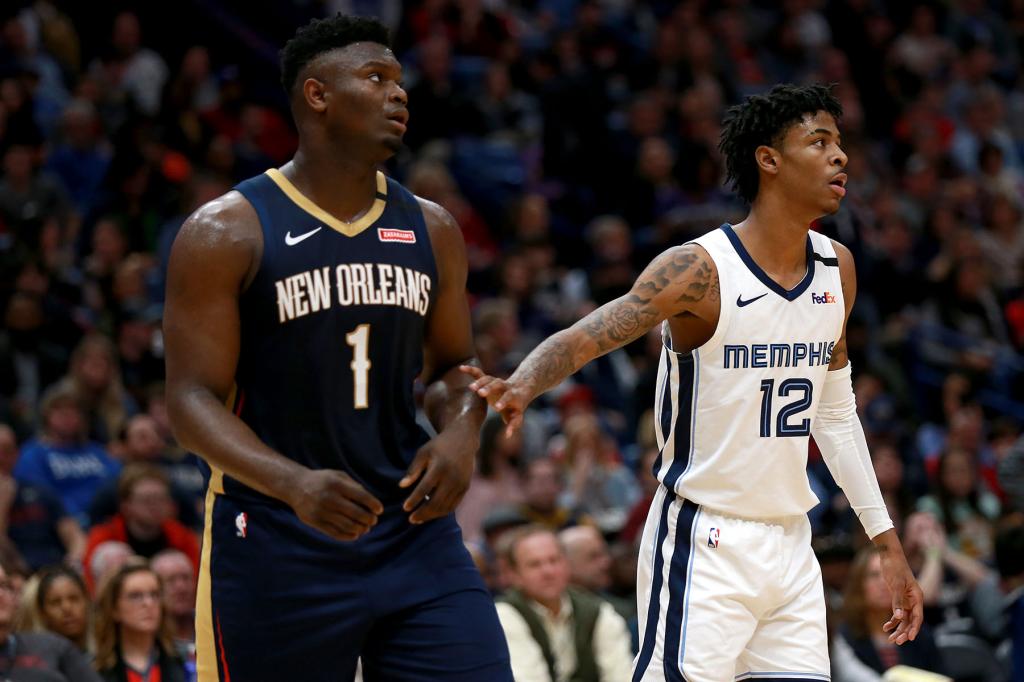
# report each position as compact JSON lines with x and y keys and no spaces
{"x":65,"y":608}
{"x":139,"y":605}
{"x":543,"y":485}
{"x":142,"y":439}
{"x":888,"y":468}
{"x":94,"y":368}
{"x":957,"y":475}
{"x":64,"y":421}
{"x":175,"y":570}
{"x":876,"y":592}
{"x":147,"y":507}
{"x":590,"y":562}
{"x":541,"y":570}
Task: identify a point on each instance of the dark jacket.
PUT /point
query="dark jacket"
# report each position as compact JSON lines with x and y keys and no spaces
{"x":920,"y":653}
{"x":172,"y":669}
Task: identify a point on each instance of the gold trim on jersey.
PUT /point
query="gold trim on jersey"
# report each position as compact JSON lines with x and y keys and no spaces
{"x":206,"y":648}
{"x":307,"y":205}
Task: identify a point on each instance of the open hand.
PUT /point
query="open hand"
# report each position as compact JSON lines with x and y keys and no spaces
{"x":907,"y":599}
{"x":504,"y":396}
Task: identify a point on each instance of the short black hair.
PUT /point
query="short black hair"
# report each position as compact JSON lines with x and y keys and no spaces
{"x":324,"y":35}
{"x":764,"y":120}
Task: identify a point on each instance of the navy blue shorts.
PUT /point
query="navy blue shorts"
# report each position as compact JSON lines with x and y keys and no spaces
{"x":279,"y":601}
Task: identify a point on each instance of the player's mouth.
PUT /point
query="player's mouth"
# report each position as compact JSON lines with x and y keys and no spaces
{"x":400,"y":118}
{"x":838,"y":184}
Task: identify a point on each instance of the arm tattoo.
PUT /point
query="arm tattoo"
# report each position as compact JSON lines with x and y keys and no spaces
{"x":615,"y":324}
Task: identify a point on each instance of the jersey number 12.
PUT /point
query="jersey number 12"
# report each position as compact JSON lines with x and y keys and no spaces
{"x":360,"y":342}
{"x":783,"y":426}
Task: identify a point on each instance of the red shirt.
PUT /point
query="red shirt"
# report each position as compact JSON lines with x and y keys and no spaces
{"x":176,"y":536}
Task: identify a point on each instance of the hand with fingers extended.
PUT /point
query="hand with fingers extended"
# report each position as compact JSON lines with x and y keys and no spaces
{"x":907,"y":599}
{"x":507,"y":398}
{"x":441,"y":472}
{"x":334,"y":503}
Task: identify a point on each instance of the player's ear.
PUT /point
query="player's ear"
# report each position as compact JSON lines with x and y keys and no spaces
{"x":767,"y":159}
{"x":313,"y":93}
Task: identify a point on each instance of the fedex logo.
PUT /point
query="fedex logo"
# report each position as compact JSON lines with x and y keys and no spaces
{"x":824,"y":298}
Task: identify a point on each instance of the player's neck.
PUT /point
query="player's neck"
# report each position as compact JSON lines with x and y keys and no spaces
{"x":342,"y":186}
{"x":774,"y":236}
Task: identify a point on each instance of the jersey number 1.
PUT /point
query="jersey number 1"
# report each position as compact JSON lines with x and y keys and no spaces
{"x":783,"y":427}
{"x":360,"y":342}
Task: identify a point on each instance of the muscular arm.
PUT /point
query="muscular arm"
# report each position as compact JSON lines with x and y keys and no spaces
{"x":677,"y":281}
{"x":449,"y":335}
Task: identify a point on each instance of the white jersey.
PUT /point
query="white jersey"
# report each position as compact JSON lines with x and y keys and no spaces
{"x":733,"y":416}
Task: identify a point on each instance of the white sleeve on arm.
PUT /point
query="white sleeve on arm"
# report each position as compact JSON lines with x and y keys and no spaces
{"x":840,"y":437}
{"x":612,"y":645}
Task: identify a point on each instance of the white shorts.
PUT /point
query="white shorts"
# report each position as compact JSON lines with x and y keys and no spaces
{"x":722,"y":598}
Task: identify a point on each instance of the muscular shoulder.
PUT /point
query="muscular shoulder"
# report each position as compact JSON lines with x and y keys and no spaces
{"x":445,"y":239}
{"x":225,"y":231}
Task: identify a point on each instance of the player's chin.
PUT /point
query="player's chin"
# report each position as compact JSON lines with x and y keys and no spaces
{"x":393,"y":143}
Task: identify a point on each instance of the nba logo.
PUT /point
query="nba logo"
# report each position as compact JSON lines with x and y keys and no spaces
{"x":241,"y":524}
{"x":713,"y":538}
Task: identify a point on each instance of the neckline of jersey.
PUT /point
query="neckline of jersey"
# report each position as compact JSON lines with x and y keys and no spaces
{"x":309,"y":206}
{"x":755,"y":269}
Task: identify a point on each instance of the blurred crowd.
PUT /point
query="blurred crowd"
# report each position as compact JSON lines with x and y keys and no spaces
{"x":572,"y":140}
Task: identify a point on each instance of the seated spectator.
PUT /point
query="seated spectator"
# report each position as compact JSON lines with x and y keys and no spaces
{"x":179,"y":579}
{"x":599,"y":483}
{"x":106,"y":560}
{"x":145,"y":520}
{"x":58,"y":604}
{"x":141,"y":443}
{"x":866,"y":607}
{"x":496,"y":480}
{"x":542,"y":487}
{"x":133,"y":629}
{"x":555,"y":632}
{"x":33,"y":517}
{"x":27,"y":656}
{"x":1010,"y":561}
{"x":61,"y":459}
{"x":94,"y":378}
{"x":962,"y":505}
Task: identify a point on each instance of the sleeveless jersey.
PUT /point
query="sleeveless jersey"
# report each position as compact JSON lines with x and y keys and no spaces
{"x":332,"y":333}
{"x":734,"y":415}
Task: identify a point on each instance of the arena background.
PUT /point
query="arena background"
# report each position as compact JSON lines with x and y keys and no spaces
{"x":572,"y":141}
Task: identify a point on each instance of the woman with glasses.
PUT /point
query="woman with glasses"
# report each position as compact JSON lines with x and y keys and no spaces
{"x":133,"y":631}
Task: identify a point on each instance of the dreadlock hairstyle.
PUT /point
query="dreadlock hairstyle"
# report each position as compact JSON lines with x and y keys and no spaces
{"x":324,"y":35}
{"x":764,"y":120}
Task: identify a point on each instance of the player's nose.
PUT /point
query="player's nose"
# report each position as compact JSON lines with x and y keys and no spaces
{"x":398,"y":95}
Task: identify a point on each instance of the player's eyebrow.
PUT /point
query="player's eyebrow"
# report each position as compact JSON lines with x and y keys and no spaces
{"x":379,"y":64}
{"x":825,"y":131}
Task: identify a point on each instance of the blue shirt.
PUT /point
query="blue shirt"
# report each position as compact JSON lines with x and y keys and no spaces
{"x":73,"y":472}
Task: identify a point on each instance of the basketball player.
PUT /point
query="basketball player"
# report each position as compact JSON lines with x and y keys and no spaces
{"x":301,"y":307}
{"x":754,"y":360}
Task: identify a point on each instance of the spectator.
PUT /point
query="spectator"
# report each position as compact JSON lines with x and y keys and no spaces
{"x":59,"y":605}
{"x":134,"y":73}
{"x":496,"y":480}
{"x":1010,"y":561}
{"x":556,"y":633}
{"x":179,"y":580}
{"x":107,"y":559}
{"x":95,"y":380}
{"x":33,"y":517}
{"x":867,"y":605}
{"x":29,"y":656}
{"x":61,"y":459}
{"x":145,"y":519}
{"x":133,"y":629}
{"x":543,"y":484}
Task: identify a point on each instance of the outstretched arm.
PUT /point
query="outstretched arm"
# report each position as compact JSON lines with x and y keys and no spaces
{"x":677,"y":281}
{"x":443,"y":467}
{"x":840,"y":437}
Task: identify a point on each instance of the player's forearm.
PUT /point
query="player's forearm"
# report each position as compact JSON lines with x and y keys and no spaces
{"x":556,"y":358}
{"x":203,"y":425}
{"x":449,"y":402}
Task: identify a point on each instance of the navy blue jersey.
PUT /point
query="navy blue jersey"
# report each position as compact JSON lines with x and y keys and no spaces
{"x":332,"y":333}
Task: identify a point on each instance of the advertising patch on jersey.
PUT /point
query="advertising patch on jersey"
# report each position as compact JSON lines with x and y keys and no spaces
{"x":713,"y":538}
{"x":242,"y":525}
{"x":390,"y":235}
{"x":823,"y":298}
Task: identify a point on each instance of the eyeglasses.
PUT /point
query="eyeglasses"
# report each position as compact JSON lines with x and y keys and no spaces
{"x":139,"y":596}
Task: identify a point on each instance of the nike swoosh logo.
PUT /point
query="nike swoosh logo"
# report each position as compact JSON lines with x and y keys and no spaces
{"x":292,"y":241}
{"x":740,"y":302}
